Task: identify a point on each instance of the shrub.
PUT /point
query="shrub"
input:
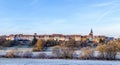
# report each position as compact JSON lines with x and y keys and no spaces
{"x":27,"y":54}
{"x":42,"y":55}
{"x":63,"y":52}
{"x":10,"y":54}
{"x":87,"y":53}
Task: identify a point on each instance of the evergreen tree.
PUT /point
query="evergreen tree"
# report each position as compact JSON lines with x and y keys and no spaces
{"x":34,"y":41}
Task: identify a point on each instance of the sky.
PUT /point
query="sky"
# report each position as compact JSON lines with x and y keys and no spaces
{"x":60,"y":16}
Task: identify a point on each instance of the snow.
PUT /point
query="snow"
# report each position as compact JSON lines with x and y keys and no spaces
{"x":47,"y":53}
{"x":19,"y":61}
{"x":118,"y":55}
{"x":79,"y":53}
{"x":3,"y":53}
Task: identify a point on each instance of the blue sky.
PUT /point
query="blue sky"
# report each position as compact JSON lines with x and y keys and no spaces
{"x":60,"y":16}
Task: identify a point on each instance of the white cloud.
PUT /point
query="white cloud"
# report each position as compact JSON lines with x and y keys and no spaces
{"x":104,"y":14}
{"x":109,"y":11}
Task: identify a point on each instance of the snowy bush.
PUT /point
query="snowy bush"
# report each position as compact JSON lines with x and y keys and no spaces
{"x":10,"y":54}
{"x":27,"y":54}
{"x":3,"y":54}
{"x":41,"y":55}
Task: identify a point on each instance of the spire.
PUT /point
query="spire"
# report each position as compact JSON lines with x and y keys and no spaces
{"x":91,"y":32}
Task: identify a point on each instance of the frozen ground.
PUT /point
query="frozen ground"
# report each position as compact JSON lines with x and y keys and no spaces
{"x":5,"y":61}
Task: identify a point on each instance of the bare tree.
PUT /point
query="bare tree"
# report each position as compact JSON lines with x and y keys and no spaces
{"x":87,"y":53}
{"x":113,"y":47}
{"x":57,"y":50}
{"x":102,"y":50}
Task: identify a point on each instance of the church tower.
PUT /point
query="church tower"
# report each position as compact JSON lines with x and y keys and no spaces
{"x":91,"y":33}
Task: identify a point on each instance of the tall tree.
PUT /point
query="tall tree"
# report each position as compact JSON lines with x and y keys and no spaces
{"x":109,"y":50}
{"x":34,"y":41}
{"x":38,"y":46}
{"x":102,"y":50}
{"x":113,"y":47}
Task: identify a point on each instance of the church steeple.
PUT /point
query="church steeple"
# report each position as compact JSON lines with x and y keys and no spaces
{"x":91,"y":32}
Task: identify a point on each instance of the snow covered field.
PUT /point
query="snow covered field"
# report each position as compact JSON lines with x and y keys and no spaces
{"x":5,"y":61}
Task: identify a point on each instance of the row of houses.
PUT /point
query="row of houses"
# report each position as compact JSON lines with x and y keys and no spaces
{"x":56,"y":37}
{"x":44,"y":37}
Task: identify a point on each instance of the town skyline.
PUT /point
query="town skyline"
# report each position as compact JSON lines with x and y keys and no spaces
{"x":60,"y":17}
{"x":80,"y":34}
